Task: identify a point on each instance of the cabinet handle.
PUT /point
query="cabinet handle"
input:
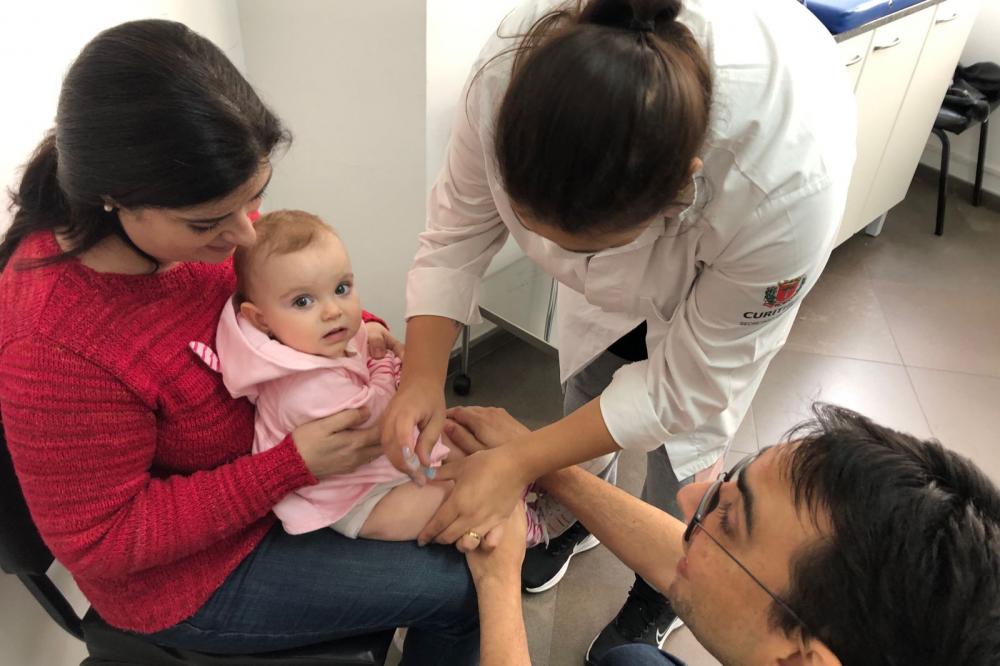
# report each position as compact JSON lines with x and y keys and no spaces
{"x":947,"y":19}
{"x":883,"y":47}
{"x":855,"y":60}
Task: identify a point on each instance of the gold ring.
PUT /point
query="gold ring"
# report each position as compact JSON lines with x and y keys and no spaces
{"x":474,"y":535}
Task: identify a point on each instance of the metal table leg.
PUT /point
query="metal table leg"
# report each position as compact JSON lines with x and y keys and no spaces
{"x":462,"y":383}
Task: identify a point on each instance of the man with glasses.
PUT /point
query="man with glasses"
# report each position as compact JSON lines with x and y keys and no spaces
{"x":850,"y":543}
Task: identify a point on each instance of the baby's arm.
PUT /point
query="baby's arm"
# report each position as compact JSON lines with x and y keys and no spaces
{"x":384,"y":374}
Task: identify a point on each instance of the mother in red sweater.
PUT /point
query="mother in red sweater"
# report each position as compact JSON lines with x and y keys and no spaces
{"x":132,"y":456}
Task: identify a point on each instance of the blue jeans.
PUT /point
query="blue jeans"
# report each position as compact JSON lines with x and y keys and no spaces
{"x":300,"y":590}
{"x":638,"y":654}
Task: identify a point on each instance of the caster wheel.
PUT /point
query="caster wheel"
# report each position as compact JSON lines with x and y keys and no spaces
{"x":462,"y":384}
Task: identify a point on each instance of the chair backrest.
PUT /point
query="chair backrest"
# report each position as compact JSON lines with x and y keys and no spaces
{"x":22,"y":550}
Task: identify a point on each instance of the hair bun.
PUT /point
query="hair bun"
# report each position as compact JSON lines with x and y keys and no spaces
{"x":668,"y":10}
{"x":639,"y":15}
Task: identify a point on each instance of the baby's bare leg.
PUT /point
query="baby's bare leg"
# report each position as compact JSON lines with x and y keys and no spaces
{"x":406,"y":509}
{"x":401,"y":514}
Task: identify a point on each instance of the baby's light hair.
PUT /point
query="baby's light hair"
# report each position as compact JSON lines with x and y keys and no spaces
{"x":278,"y":232}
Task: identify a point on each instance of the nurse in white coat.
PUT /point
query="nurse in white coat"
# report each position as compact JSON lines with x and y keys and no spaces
{"x":682,"y":172}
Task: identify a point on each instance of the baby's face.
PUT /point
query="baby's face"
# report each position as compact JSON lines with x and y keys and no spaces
{"x":306,"y":299}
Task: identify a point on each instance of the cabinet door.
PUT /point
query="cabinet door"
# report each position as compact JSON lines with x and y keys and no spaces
{"x":853,"y":52}
{"x":947,"y":37}
{"x":888,"y":69}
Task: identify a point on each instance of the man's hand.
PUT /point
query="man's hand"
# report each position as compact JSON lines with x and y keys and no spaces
{"x":488,"y":485}
{"x":502,"y":563}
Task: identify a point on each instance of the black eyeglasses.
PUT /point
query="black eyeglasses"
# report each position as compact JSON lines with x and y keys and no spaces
{"x":709,"y":502}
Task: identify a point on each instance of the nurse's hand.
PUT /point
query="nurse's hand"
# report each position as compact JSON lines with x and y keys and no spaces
{"x":488,"y":485}
{"x":418,"y":404}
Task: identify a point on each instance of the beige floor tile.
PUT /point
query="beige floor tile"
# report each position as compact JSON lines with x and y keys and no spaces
{"x":632,"y":471}
{"x":796,"y":379}
{"x":589,"y":596}
{"x":908,"y":251}
{"x":539,"y":622}
{"x":944,"y":329}
{"x":519,"y":378}
{"x":745,"y":439}
{"x":848,"y":258}
{"x":28,"y":636}
{"x":842,"y":317}
{"x":964,"y":413}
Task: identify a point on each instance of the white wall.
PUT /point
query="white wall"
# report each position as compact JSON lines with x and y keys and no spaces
{"x":456,"y":32}
{"x":39,"y":40}
{"x":348,"y":79}
{"x":982,"y":46}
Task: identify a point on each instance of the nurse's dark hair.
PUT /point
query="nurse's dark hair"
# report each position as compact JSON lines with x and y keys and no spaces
{"x":608,"y":104}
{"x":151,"y":114}
{"x":908,"y":571}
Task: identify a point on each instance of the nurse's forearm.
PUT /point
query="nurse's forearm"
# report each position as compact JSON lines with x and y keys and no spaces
{"x":429,"y":341}
{"x":645,"y":538}
{"x":573,"y":439}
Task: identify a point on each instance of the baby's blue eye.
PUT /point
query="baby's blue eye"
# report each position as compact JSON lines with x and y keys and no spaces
{"x":343,"y":289}
{"x":302,"y":302}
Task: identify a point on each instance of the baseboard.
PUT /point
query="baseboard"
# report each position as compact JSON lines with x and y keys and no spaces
{"x":962,"y":169}
{"x":480,"y":347}
{"x":957,"y":185}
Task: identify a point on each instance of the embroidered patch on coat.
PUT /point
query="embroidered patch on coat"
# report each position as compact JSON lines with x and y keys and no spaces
{"x":783,"y":292}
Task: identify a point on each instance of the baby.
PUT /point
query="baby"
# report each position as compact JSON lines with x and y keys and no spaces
{"x":292,"y":341}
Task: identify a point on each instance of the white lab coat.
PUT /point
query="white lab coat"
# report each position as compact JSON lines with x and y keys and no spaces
{"x":708,"y":280}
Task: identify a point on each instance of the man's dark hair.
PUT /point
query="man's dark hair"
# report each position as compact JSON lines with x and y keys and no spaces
{"x":911,"y":571}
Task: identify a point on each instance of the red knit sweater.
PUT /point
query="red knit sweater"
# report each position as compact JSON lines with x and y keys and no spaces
{"x":133,"y":458}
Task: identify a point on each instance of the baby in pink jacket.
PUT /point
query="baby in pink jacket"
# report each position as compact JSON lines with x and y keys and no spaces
{"x":292,"y":341}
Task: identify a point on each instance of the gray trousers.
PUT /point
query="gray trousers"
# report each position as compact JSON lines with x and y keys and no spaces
{"x":661,"y":485}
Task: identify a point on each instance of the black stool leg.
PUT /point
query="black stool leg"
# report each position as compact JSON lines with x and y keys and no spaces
{"x":943,"y":181}
{"x":977,"y":193}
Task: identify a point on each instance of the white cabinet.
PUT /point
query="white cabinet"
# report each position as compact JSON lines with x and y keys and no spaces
{"x":853,"y":51}
{"x":900,"y":84}
{"x":948,"y":33}
{"x":880,"y":93}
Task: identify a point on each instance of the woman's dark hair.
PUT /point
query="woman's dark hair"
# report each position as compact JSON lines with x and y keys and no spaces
{"x":910,"y":573}
{"x":151,"y":114}
{"x":607,"y":106}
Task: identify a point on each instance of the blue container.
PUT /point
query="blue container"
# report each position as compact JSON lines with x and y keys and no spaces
{"x":842,"y":15}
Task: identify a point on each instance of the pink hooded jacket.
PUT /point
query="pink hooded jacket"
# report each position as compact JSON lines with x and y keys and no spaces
{"x":290,"y":388}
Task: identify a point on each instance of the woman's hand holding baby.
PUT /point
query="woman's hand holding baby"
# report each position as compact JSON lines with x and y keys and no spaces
{"x":328,"y":446}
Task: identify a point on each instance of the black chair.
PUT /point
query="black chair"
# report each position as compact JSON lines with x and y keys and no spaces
{"x":963,"y":107}
{"x":24,"y":554}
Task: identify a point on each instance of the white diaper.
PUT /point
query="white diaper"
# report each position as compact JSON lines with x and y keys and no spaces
{"x":354,"y":520}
